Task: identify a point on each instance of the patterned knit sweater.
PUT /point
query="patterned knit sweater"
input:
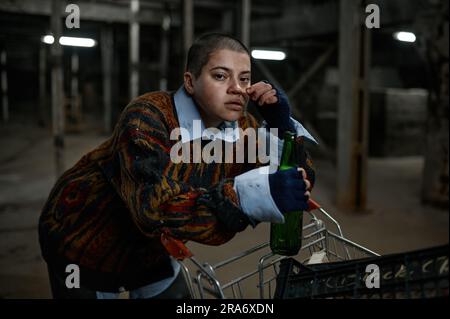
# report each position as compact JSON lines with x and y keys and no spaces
{"x":107,"y":212}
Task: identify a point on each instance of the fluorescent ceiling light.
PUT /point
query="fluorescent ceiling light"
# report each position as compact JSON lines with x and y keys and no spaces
{"x":70,"y":41}
{"x":49,"y":39}
{"x":268,"y":55}
{"x":77,"y":42}
{"x":405,"y":36}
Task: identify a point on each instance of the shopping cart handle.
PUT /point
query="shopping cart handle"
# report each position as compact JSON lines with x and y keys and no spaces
{"x":312,"y":204}
{"x":176,"y":248}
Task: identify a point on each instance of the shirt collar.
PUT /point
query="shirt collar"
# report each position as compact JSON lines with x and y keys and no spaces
{"x":193,"y":126}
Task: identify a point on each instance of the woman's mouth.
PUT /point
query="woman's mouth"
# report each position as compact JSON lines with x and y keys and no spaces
{"x":235,"y":105}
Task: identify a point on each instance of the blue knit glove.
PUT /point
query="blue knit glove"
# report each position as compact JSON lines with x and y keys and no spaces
{"x":288,"y":189}
{"x":279,"y":115}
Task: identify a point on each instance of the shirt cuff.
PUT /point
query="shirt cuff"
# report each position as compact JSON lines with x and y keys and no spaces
{"x":273,"y":139}
{"x":301,"y":131}
{"x":256,"y":202}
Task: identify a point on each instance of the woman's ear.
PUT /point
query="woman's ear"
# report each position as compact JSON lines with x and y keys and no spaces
{"x":189,"y":82}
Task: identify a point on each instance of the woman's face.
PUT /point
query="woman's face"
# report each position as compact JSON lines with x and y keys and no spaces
{"x":219,"y":91}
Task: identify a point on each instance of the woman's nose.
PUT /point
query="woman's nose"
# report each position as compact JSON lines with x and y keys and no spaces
{"x":236,"y":87}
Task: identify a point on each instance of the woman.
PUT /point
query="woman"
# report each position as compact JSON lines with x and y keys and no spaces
{"x":106,"y":214}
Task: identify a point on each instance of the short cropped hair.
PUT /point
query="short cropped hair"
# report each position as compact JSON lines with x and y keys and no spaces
{"x":204,"y":46}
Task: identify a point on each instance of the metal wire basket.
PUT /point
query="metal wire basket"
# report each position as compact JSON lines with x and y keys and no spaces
{"x":319,"y":245}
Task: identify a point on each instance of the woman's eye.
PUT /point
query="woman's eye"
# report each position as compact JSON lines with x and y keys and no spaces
{"x":220,"y":76}
{"x":245,"y":80}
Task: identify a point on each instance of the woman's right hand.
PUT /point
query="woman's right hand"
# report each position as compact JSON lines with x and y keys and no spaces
{"x":290,"y":189}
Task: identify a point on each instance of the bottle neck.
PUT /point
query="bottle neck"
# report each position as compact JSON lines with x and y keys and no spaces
{"x":288,"y":149}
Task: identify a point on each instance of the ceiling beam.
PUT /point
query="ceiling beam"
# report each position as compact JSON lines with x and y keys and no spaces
{"x":91,"y":11}
{"x":316,"y":19}
{"x":151,"y":12}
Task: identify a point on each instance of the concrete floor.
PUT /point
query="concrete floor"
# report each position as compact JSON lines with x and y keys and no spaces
{"x":395,"y":220}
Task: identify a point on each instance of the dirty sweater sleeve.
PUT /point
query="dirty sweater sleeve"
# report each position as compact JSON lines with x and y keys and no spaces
{"x":158,"y":202}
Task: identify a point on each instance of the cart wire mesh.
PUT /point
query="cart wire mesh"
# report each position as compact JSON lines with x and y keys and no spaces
{"x":319,"y":244}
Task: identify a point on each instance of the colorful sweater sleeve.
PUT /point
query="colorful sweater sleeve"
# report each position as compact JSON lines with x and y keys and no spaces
{"x":158,"y":202}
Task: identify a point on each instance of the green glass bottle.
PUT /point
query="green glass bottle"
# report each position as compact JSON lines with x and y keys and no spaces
{"x":286,"y":239}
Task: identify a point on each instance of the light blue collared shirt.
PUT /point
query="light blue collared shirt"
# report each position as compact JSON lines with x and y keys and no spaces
{"x":148,"y":291}
{"x":194,"y":128}
{"x":192,"y":124}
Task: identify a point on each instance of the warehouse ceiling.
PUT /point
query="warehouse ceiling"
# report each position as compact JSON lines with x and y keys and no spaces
{"x":283,"y":23}
{"x":306,"y":30}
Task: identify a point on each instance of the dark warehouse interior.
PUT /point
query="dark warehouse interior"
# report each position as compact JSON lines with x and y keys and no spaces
{"x":376,"y":103}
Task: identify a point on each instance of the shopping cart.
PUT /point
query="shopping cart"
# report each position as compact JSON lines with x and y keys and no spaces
{"x":320,"y":244}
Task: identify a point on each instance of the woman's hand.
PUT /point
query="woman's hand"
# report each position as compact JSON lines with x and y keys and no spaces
{"x":262,"y":93}
{"x":273,"y":105}
{"x":290,"y":189}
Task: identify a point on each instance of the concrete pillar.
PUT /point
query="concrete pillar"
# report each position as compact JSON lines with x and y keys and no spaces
{"x":188,"y":26}
{"x":75,"y":107}
{"x":164,"y":53}
{"x":354,"y":57}
{"x":58,"y":114}
{"x":245,"y":22}
{"x":227,"y":21}
{"x":4,"y":88}
{"x":134,"y":49}
{"x":42,"y":112}
{"x":107,"y":65}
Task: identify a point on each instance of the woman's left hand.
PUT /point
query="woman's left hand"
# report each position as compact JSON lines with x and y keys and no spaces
{"x":273,"y":105}
{"x":262,"y":93}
